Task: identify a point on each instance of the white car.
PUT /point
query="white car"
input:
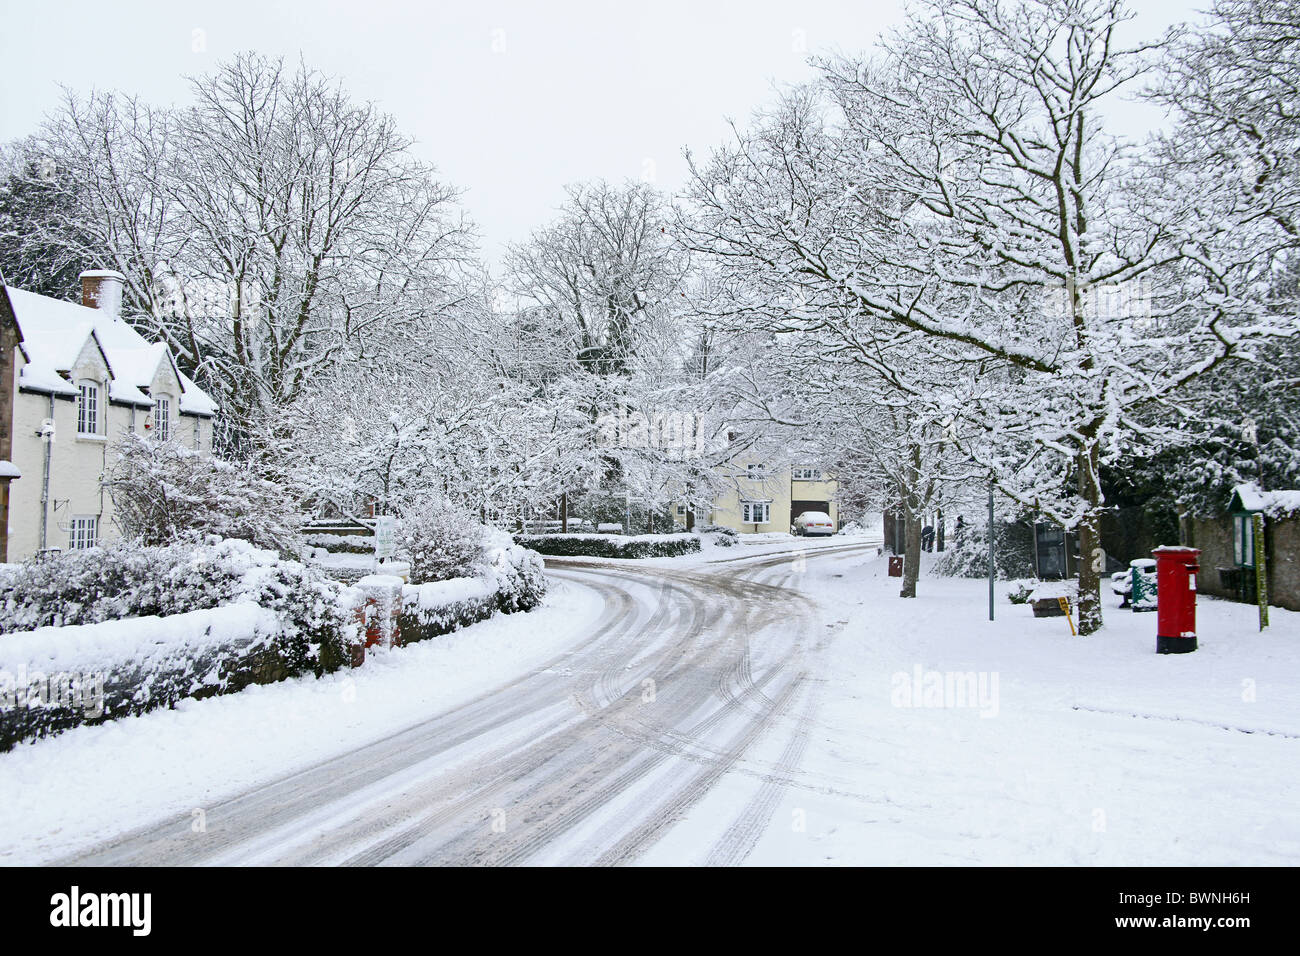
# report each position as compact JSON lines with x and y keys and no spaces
{"x":813,"y":523}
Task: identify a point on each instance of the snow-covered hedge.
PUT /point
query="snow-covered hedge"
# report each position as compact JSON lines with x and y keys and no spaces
{"x":440,"y":607}
{"x":341,"y":543}
{"x":126,"y":580}
{"x":54,"y":678}
{"x":611,"y":546}
{"x":155,"y":624}
{"x":513,"y":580}
{"x":103,"y":633}
{"x":519,"y":575}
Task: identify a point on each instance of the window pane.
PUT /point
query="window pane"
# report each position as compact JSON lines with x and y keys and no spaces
{"x":83,"y":533}
{"x":87,"y":409}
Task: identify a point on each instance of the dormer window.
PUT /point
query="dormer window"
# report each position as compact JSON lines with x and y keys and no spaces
{"x":88,"y":408}
{"x":162,"y":417}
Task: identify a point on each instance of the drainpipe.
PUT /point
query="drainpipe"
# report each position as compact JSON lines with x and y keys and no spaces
{"x":48,"y":439}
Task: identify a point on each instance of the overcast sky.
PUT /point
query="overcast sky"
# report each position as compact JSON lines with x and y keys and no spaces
{"x":511,"y":100}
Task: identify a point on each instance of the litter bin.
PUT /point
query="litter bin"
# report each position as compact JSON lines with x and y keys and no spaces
{"x":895,"y":565}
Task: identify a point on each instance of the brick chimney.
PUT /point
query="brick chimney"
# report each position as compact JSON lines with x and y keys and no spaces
{"x":102,"y":289}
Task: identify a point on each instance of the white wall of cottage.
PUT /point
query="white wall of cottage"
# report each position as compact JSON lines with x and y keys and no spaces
{"x":78,"y":462}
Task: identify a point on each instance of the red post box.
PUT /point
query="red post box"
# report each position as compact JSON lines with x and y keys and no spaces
{"x":1176,"y":599}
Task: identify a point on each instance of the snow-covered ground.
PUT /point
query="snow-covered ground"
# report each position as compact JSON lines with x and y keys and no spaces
{"x":783,"y":732}
{"x":78,"y":788}
{"x":1085,"y":750}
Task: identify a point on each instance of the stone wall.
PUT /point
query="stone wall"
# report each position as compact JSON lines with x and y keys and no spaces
{"x":1282,"y":551}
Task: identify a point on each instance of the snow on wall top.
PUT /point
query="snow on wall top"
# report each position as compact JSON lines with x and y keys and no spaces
{"x":54,"y":333}
{"x":1272,"y":503}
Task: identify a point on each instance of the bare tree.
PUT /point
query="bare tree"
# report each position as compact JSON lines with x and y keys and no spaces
{"x":603,"y":271}
{"x":958,"y":200}
{"x":268,"y":230}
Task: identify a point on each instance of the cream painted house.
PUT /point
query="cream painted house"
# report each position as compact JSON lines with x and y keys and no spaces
{"x":83,"y":377}
{"x":766,"y":499}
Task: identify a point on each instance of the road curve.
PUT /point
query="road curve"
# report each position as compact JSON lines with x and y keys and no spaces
{"x":590,"y":759}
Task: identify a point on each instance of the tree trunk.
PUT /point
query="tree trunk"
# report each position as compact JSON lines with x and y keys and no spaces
{"x":1090,"y":553}
{"x":564,"y":513}
{"x":911,"y":552}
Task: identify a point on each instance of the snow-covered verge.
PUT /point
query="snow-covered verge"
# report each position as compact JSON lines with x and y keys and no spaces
{"x":1084,"y":750}
{"x":611,"y":545}
{"x":69,"y":792}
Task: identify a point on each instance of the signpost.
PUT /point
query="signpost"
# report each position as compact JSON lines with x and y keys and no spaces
{"x":385,"y":537}
{"x":1261,"y":572}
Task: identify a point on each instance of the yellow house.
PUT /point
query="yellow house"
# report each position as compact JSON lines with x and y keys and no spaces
{"x":766,"y":499}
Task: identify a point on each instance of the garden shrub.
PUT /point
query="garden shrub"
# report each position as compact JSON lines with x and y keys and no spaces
{"x":611,"y":546}
{"x":442,"y":541}
{"x":164,"y":492}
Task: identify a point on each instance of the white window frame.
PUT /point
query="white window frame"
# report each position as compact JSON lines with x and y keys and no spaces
{"x":807,"y":474}
{"x":88,"y":392}
{"x":162,"y":417}
{"x":756,"y":472}
{"x":83,"y":532}
{"x":751,"y":510}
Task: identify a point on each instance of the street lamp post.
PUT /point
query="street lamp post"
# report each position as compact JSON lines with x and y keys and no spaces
{"x":990,"y":547}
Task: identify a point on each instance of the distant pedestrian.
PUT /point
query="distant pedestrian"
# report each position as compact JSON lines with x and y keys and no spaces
{"x":927,"y":538}
{"x":958,"y":529}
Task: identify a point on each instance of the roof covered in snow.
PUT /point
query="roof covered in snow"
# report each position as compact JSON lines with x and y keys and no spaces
{"x":1251,"y":497}
{"x":55,"y":333}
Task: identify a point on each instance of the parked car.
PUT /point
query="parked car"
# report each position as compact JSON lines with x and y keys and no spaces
{"x":812,"y":523}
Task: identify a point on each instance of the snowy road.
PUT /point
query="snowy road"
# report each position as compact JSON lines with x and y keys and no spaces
{"x":590,"y":759}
